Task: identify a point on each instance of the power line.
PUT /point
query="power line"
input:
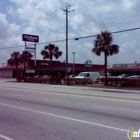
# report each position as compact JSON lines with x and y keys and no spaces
{"x":48,"y":15}
{"x":80,"y":3}
{"x":88,"y":4}
{"x":62,"y":40}
{"x":76,"y":38}
{"x":53,"y":14}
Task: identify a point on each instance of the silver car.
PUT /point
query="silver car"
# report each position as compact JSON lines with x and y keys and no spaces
{"x":123,"y":76}
{"x":134,"y":77}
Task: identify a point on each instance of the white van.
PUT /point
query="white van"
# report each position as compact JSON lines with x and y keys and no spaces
{"x":92,"y":75}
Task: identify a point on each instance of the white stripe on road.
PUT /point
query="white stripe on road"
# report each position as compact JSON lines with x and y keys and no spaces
{"x":5,"y":137}
{"x":68,"y":118}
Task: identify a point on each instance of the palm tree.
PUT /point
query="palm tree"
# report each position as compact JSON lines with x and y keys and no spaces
{"x":25,"y":57}
{"x":15,"y":60}
{"x":49,"y":52}
{"x":103,"y":43}
{"x":88,"y":61}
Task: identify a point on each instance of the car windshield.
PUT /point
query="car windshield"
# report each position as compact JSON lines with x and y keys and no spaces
{"x":122,"y":75}
{"x":81,"y":74}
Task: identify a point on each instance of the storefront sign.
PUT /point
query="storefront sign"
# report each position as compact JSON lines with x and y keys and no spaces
{"x":30,"y":38}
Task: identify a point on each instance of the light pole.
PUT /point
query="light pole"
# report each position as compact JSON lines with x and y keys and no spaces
{"x":73,"y":63}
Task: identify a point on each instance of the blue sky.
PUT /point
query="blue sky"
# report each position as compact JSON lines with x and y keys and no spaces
{"x":46,"y":18}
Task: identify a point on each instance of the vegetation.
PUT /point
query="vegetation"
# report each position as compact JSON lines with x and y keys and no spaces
{"x":112,"y":82}
{"x":51,"y":51}
{"x":72,"y":81}
{"x":25,"y":57}
{"x":103,"y":43}
{"x":88,"y":61}
{"x":15,"y":60}
{"x":124,"y":82}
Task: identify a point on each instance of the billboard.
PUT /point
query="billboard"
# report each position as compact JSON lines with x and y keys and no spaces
{"x":30,"y":38}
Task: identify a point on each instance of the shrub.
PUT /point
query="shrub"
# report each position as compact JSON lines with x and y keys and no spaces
{"x":125,"y":82}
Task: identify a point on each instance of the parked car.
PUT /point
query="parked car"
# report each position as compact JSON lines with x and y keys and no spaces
{"x":38,"y":75}
{"x":134,"y":77}
{"x":46,"y":76}
{"x":123,"y":76}
{"x":109,"y":75}
{"x":92,"y":75}
{"x":71,"y":76}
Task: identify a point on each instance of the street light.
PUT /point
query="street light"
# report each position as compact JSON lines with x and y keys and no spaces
{"x":73,"y":63}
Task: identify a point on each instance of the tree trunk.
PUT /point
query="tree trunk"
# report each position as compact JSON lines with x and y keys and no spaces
{"x":106,"y":83}
{"x":16,"y":74}
{"x":51,"y":71}
{"x":24,"y":68}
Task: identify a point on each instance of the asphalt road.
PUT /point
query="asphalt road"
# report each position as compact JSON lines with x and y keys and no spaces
{"x":52,"y":112}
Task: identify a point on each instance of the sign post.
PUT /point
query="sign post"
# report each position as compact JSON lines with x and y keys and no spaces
{"x":31,"y":38}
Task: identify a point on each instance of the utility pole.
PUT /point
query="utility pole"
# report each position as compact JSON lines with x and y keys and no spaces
{"x":35,"y":58}
{"x":66,"y":10}
{"x":67,"y":82}
{"x":74,"y":63}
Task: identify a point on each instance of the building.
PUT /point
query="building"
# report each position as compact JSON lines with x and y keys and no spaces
{"x":127,"y":68}
{"x":43,"y":68}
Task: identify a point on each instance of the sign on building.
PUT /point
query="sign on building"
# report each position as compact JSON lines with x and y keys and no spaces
{"x":69,"y":69}
{"x":30,"y":71}
{"x":44,"y":64}
{"x":88,"y":65}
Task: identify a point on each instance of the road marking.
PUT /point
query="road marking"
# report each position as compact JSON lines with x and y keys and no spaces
{"x":5,"y":137}
{"x":64,"y":117}
{"x":75,"y":95}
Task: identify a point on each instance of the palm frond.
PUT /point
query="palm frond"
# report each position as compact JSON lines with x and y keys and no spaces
{"x":51,"y":51}
{"x":15,"y":59}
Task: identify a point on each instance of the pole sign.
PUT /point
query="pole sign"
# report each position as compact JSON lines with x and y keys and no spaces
{"x":30,"y":38}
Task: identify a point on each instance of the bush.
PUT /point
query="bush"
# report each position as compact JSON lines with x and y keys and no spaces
{"x":37,"y":80}
{"x":77,"y":81}
{"x":121,"y":82}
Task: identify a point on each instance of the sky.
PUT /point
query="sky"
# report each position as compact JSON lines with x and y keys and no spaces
{"x":47,"y":19}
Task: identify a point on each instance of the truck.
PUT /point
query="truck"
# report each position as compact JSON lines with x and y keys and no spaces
{"x":92,"y":75}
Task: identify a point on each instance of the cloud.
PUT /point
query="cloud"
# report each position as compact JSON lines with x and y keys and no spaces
{"x":48,"y":20}
{"x":7,"y":37}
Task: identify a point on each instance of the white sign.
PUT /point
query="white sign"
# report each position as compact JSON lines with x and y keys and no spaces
{"x":69,"y":69}
{"x":30,"y":71}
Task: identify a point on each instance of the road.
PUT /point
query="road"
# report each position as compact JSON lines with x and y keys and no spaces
{"x":55,"y":112}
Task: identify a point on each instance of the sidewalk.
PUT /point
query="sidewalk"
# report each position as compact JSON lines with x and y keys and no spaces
{"x":98,"y":88}
{"x":7,"y":79}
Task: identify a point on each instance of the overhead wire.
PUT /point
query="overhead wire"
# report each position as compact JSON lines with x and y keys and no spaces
{"x":51,"y":15}
{"x":80,"y":3}
{"x":54,"y":14}
{"x":77,"y":38}
{"x":47,"y":15}
{"x":87,"y":5}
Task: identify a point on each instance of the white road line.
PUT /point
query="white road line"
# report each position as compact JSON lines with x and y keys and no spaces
{"x":63,"y":117}
{"x":5,"y":137}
